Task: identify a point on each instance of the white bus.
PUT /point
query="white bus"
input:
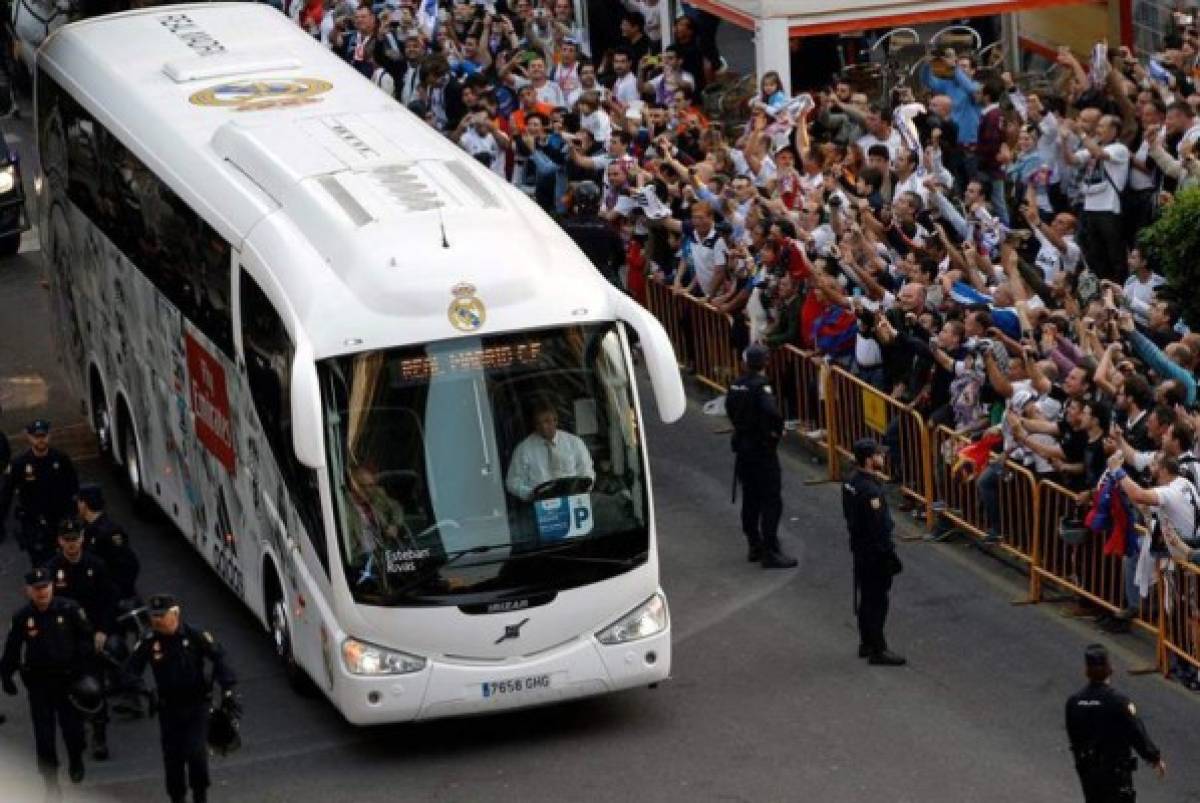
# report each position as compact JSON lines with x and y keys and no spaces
{"x":314,"y":333}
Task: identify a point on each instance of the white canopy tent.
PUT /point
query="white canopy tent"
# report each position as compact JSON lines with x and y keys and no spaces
{"x":775,"y":21}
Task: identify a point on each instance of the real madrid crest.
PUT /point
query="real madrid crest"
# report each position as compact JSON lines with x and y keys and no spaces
{"x":253,"y":95}
{"x":466,"y":312}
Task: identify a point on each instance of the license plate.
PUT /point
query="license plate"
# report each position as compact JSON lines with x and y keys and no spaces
{"x":514,"y":686}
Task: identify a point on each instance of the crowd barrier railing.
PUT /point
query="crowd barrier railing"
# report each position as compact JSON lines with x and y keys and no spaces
{"x":956,"y":490}
{"x":1030,"y":509}
{"x":857,"y":410}
{"x":1078,"y":564}
{"x":1179,"y":615}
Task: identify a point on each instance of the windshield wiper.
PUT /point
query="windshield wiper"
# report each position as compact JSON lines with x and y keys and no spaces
{"x":629,"y":561}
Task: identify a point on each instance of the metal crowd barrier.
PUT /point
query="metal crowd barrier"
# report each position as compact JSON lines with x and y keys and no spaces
{"x":1179,"y":621}
{"x":829,"y":398}
{"x":859,"y":410}
{"x":801,"y":380}
{"x":1082,"y":568}
{"x":702,"y":336}
{"x":956,"y":486}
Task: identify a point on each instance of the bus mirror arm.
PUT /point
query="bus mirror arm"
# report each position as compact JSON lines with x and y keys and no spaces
{"x":306,"y":411}
{"x":661,"y":364}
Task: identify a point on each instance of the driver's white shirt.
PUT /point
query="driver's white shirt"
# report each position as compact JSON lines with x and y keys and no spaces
{"x":537,"y":460}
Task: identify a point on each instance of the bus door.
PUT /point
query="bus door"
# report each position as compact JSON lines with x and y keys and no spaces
{"x":287,"y":502}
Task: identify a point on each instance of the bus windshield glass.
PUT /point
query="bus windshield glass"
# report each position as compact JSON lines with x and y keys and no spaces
{"x":488,"y":468}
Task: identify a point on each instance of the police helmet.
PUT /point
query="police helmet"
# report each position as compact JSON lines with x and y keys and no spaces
{"x":585,"y":200}
{"x":87,"y":695}
{"x":223,"y":734}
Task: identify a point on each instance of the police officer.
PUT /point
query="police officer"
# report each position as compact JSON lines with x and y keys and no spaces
{"x":1104,"y":729}
{"x":757,"y":428}
{"x":48,"y":642}
{"x":594,"y":236}
{"x":875,"y":561}
{"x":81,"y":576}
{"x":43,"y":481}
{"x":177,"y":654}
{"x":108,"y":541}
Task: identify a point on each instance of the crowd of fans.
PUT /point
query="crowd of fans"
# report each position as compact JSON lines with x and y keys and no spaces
{"x":968,"y":248}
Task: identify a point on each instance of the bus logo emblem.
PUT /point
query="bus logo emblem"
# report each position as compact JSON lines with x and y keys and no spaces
{"x":271,"y":93}
{"x":466,"y":312}
{"x":512,"y":631}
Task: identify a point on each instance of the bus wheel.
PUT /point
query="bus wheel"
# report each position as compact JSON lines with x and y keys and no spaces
{"x":281,"y":639}
{"x":101,"y":421}
{"x":131,"y":458}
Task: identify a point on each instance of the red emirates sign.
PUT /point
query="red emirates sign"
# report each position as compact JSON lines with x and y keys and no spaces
{"x":210,"y":403}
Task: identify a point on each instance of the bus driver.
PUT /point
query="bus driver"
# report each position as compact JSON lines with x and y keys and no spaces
{"x":548,"y":453}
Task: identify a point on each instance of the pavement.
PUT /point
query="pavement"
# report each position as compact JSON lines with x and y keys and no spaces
{"x":767,"y":701}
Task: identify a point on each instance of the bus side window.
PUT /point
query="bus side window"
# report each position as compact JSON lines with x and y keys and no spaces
{"x":269,"y":352}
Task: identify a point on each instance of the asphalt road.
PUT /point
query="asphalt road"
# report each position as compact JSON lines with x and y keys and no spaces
{"x":767,"y":701}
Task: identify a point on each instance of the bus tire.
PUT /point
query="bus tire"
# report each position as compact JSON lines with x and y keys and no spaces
{"x":281,"y":638}
{"x":10,"y":245}
{"x":131,"y":460}
{"x":101,"y":419}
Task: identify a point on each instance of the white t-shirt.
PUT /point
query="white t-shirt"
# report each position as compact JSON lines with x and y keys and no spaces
{"x":477,"y":144}
{"x":1176,"y":501}
{"x":893,"y":143}
{"x":1102,"y":194}
{"x":1142,"y":294}
{"x":625,"y":89}
{"x":599,"y":124}
{"x":1052,"y":261}
{"x":707,"y":253}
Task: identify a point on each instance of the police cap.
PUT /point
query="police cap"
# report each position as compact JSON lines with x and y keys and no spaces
{"x":91,"y":495}
{"x":161,"y":604}
{"x":1096,"y":655}
{"x":38,"y":577}
{"x":756,"y":356}
{"x":38,"y":426}
{"x":68,"y":529}
{"x":865,"y":448}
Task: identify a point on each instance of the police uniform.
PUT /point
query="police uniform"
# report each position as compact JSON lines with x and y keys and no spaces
{"x":875,"y":561}
{"x":184,"y":689}
{"x":87,"y":582}
{"x":44,"y":487}
{"x":109,"y":542}
{"x":1105,"y":730}
{"x":49,"y":647}
{"x":757,"y":428}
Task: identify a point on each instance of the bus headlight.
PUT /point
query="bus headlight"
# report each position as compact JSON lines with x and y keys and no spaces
{"x":8,"y":179}
{"x":643,"y":621}
{"x":361,"y":658}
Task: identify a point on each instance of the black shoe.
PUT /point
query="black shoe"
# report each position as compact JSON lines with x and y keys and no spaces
{"x":778,"y":560}
{"x":886,"y":658}
{"x":75,"y":772}
{"x":864,"y":651}
{"x":754,"y":551}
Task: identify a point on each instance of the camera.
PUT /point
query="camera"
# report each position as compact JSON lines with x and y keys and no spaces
{"x":867,"y":318}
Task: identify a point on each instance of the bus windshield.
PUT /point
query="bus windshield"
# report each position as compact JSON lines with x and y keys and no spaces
{"x":486,"y":468}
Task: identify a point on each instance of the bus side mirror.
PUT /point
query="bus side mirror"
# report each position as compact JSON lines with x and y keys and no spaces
{"x":661,"y":364}
{"x":307,"y":426}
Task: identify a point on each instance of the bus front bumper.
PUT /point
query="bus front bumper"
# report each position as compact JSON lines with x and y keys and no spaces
{"x":581,"y":668}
